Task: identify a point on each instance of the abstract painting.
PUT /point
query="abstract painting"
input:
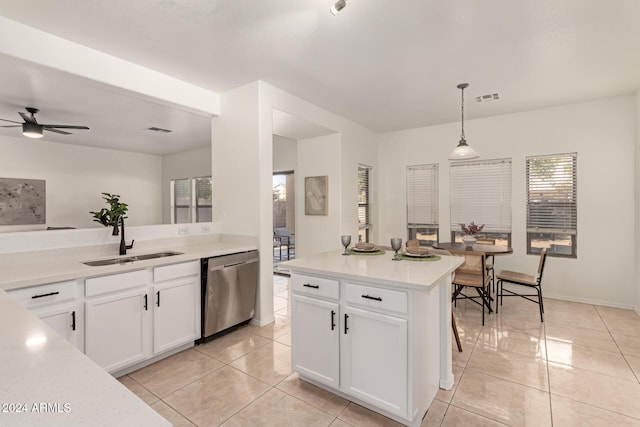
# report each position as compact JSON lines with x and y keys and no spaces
{"x":22,"y":201}
{"x":315,"y":195}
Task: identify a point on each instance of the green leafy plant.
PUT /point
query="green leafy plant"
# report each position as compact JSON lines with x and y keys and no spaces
{"x":471,"y":229}
{"x":109,"y":216}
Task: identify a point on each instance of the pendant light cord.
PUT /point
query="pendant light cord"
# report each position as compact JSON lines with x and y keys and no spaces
{"x":462,"y":119}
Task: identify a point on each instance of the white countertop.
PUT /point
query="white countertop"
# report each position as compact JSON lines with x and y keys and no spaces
{"x":25,"y":269}
{"x":377,"y":269}
{"x":39,"y":368}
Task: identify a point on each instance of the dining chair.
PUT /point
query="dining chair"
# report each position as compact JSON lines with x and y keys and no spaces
{"x":490,"y":260}
{"x":453,"y":317}
{"x":522,"y":279}
{"x":472,"y":274}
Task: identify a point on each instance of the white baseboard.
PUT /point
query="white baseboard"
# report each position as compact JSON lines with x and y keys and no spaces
{"x":262,"y":322}
{"x":592,"y":302}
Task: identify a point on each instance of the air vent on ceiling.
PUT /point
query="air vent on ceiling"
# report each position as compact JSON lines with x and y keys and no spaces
{"x":155,"y":129}
{"x":488,"y":97}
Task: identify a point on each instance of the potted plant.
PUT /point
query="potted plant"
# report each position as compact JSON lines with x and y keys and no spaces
{"x":469,"y":232}
{"x":109,"y":216}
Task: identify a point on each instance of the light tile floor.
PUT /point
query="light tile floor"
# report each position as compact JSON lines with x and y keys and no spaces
{"x":578,"y":368}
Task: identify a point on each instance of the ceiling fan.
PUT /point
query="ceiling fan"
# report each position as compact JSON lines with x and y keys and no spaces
{"x":32,"y":129}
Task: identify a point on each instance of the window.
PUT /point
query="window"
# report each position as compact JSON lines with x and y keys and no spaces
{"x":481,"y":193}
{"x":180,"y":201}
{"x":364,"y":217}
{"x":552,"y":204}
{"x":422,"y":203}
{"x":202,"y":190}
{"x":184,"y":207}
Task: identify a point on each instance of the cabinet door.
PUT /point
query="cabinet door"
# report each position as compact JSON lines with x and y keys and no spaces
{"x":62,"y":319}
{"x":175,"y":320}
{"x":374,"y":359}
{"x":118,"y":329}
{"x":315,"y":339}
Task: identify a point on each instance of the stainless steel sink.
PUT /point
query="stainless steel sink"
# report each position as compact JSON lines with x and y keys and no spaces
{"x":124,"y":260}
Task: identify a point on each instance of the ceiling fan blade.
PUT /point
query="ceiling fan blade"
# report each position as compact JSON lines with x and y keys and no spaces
{"x":27,"y":117}
{"x":11,"y":126}
{"x":10,"y":121}
{"x":64,"y":127}
{"x":58,"y":131}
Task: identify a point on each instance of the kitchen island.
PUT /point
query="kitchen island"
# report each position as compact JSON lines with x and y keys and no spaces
{"x":374,"y":330}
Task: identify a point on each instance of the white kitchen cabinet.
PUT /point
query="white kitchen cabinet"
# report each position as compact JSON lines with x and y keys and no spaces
{"x":134,"y":316}
{"x":378,"y":352}
{"x":374,"y":359}
{"x":119,"y":328}
{"x":57,"y":306}
{"x":316,"y":333}
{"x":118,"y":319}
{"x":176,"y":313}
{"x":62,"y":318}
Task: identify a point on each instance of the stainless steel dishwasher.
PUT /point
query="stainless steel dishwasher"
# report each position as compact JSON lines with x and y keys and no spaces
{"x":229,"y":285}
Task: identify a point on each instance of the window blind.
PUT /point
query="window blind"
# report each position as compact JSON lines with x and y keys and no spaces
{"x":181,"y":200}
{"x":422,"y":195}
{"x":552,"y":193}
{"x":363,"y":196}
{"x":203,"y":198}
{"x":481,"y":193}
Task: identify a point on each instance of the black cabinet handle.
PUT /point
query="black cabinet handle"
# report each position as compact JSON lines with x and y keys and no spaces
{"x":73,"y":320}
{"x":333,"y":320}
{"x":346,"y":323}
{"x":308,"y":285}
{"x":45,"y":295}
{"x":146,"y":305}
{"x":373,"y":298}
{"x":158,"y":298}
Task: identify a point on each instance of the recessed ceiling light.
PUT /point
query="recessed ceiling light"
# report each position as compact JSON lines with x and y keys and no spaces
{"x":488,"y":97}
{"x":156,"y":129}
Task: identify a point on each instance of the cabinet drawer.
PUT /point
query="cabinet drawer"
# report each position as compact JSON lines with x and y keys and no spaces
{"x":316,"y":286}
{"x":115,"y":282}
{"x":45,"y":294}
{"x":372,"y":297}
{"x":176,"y":271}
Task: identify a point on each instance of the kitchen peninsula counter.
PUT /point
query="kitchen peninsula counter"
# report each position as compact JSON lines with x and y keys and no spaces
{"x":374,"y":330}
{"x":24,"y":269}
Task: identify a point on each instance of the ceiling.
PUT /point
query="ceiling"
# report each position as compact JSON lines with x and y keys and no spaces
{"x":387,"y":65}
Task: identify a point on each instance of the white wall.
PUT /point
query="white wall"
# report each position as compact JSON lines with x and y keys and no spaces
{"x":185,"y":164}
{"x":318,"y":156}
{"x":602,"y":132}
{"x":76,"y":176}
{"x":285,"y":154}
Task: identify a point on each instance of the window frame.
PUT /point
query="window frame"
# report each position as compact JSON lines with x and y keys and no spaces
{"x":429,"y":192}
{"x":553,"y":231}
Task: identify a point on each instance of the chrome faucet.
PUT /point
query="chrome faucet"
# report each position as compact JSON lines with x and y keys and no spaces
{"x":123,"y":244}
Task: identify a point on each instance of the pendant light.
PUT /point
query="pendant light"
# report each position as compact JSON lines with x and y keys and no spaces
{"x":338,"y":6}
{"x":463,"y":151}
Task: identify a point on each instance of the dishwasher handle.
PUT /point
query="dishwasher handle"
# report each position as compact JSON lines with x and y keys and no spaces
{"x":234,"y":264}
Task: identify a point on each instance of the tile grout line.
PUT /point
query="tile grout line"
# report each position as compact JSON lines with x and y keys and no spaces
{"x":624,"y":356}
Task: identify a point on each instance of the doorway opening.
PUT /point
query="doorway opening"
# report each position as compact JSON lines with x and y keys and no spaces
{"x":284,"y":224}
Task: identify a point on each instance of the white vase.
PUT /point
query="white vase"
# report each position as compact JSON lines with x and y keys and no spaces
{"x":468,"y":240}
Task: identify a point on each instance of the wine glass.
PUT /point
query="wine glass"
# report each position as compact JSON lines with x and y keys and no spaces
{"x":346,"y":240}
{"x":396,"y":244}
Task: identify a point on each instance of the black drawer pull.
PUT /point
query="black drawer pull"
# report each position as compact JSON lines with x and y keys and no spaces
{"x":146,"y":302}
{"x":370,"y":297}
{"x":73,"y":320}
{"x":158,"y":298}
{"x":45,"y":295}
{"x":333,"y":320}
{"x":308,"y":285}
{"x":346,"y":323}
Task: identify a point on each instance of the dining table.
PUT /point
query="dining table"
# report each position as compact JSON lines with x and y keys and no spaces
{"x":479,"y":248}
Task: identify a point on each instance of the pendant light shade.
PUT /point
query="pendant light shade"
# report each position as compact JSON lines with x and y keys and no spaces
{"x":463,"y":151}
{"x":338,"y":6}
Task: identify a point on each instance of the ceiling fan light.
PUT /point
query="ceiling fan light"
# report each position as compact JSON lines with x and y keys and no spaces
{"x":32,"y":130}
{"x":338,"y":6}
{"x":463,"y":152}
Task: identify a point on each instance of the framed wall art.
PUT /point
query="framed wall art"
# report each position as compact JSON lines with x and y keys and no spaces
{"x":22,"y":201}
{"x":316,"y":197}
